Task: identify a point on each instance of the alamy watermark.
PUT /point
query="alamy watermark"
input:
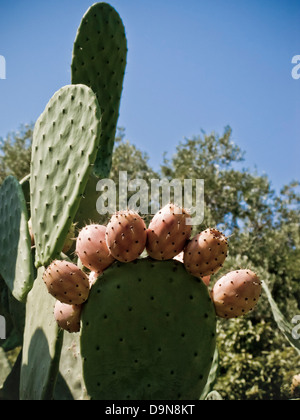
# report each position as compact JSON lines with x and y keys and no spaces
{"x":296,"y":69}
{"x":150,"y":196}
{"x":2,"y":328}
{"x":2,"y":67}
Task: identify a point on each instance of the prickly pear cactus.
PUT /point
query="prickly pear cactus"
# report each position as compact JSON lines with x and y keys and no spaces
{"x":148,"y":325}
{"x":148,"y":332}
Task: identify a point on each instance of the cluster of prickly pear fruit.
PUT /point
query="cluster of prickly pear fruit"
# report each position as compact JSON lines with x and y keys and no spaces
{"x":126,"y":237}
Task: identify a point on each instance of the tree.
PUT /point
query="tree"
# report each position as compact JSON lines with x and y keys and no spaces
{"x":255,"y":360}
{"x":15,"y":153}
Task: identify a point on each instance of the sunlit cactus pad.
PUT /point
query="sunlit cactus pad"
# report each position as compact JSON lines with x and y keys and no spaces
{"x":16,"y":266}
{"x":148,"y":332}
{"x":99,"y":61}
{"x":65,"y":142}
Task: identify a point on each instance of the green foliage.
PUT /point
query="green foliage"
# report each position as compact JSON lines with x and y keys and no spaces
{"x":256,"y":362}
{"x":15,"y":153}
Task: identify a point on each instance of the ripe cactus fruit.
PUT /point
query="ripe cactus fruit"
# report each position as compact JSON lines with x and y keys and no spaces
{"x":168,"y":232}
{"x":66,"y":282}
{"x":236,"y":294}
{"x":67,"y":316}
{"x":126,"y":235}
{"x":92,"y":249}
{"x":205,"y":254}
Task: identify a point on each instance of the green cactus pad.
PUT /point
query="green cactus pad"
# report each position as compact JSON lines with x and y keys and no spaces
{"x":87,"y":212}
{"x":70,"y":385}
{"x":16,"y":266}
{"x":65,"y":142}
{"x":99,"y":61}
{"x":148,"y":332}
{"x":41,"y":346}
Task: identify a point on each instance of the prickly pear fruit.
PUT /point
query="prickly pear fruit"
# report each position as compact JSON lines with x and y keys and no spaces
{"x":67,"y":316}
{"x":205,"y":254}
{"x":236,"y":294}
{"x":66,"y":282}
{"x":126,"y":236}
{"x":168,"y":232}
{"x":92,"y":249}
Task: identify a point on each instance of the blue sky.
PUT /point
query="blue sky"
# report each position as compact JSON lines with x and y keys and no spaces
{"x":192,"y":65}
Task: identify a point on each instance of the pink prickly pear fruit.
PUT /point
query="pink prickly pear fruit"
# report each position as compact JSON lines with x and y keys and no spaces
{"x":126,"y":236}
{"x":236,"y":294}
{"x":168,"y":232}
{"x":205,"y":254}
{"x":66,"y":282}
{"x":67,"y":316}
{"x":92,"y":249}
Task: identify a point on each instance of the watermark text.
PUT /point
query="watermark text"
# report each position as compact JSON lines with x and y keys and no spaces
{"x":296,"y":69}
{"x":150,"y":196}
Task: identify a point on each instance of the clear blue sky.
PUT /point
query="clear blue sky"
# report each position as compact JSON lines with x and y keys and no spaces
{"x":192,"y":65}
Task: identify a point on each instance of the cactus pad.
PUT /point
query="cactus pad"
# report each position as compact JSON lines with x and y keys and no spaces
{"x":65,"y":142}
{"x":16,"y":266}
{"x":148,"y":332}
{"x":99,"y":61}
{"x":41,"y":346}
